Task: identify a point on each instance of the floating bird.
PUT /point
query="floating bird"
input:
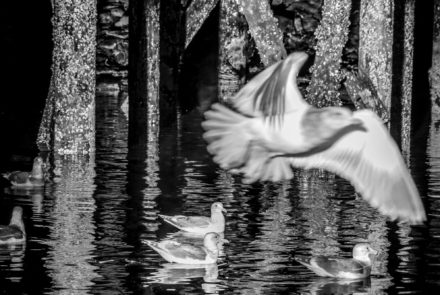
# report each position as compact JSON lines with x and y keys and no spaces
{"x":357,"y":267}
{"x":174,"y":251}
{"x":271,"y":128}
{"x":200,"y":224}
{"x":35,"y":178}
{"x":14,"y":232}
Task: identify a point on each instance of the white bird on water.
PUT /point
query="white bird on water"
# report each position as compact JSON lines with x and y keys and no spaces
{"x":271,"y":128}
{"x":200,"y":224}
{"x":357,"y":267}
{"x":174,"y":251}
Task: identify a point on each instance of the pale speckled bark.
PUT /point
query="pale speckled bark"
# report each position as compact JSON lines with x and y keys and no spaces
{"x":196,"y":14}
{"x":434,"y":73}
{"x":332,"y":34}
{"x":407,"y":77}
{"x":68,"y":125}
{"x":375,"y":45}
{"x":264,"y":29}
{"x":232,"y":59}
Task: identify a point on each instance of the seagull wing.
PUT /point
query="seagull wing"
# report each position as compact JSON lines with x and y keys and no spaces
{"x":184,"y":251}
{"x":198,"y":221}
{"x":274,"y":91}
{"x":373,"y":164}
{"x":335,"y":266}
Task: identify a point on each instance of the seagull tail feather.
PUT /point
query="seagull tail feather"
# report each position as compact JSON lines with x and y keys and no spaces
{"x":227,"y":136}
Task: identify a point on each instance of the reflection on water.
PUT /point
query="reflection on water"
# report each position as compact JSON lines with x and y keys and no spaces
{"x":85,"y":230}
{"x":71,"y":228}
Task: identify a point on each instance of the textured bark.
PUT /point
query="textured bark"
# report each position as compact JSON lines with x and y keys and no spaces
{"x":196,"y":14}
{"x":434,"y":73}
{"x":363,"y":94}
{"x":375,"y":45}
{"x":332,"y":34}
{"x":264,"y":30}
{"x":407,"y":77}
{"x":68,"y":125}
{"x":232,"y":59}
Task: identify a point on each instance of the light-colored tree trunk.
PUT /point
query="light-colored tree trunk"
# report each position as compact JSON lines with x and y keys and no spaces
{"x":68,"y":124}
{"x":332,"y":34}
{"x":434,"y":73}
{"x":196,"y":14}
{"x":264,"y":29}
{"x":376,"y":45}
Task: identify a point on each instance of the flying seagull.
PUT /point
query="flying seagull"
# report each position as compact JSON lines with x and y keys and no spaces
{"x":271,"y":128}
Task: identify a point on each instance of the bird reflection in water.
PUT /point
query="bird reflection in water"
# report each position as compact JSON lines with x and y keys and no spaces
{"x":12,"y":256}
{"x":334,"y":286}
{"x":34,"y":196}
{"x":175,"y":273}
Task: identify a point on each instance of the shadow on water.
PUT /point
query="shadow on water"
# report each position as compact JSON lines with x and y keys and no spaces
{"x":86,"y":229}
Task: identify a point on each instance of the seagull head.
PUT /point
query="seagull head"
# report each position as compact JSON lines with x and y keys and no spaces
{"x":211,"y":241}
{"x":217,"y":207}
{"x":362,"y":252}
{"x":37,"y":167}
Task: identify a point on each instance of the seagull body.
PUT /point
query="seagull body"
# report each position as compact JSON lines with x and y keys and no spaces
{"x":270,"y":128}
{"x":35,"y":178}
{"x":200,"y":224}
{"x":14,"y":232}
{"x":174,"y":251}
{"x":358,"y":267}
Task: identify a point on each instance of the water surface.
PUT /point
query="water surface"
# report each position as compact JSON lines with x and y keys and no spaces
{"x":86,"y":229}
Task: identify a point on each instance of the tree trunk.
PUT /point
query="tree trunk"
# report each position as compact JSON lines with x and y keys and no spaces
{"x":376,"y":45}
{"x":332,"y":34}
{"x":68,"y":124}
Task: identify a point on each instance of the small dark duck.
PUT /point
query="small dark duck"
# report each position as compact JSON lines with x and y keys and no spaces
{"x":13,"y":233}
{"x":35,"y":178}
{"x":358,"y":267}
{"x":270,"y":128}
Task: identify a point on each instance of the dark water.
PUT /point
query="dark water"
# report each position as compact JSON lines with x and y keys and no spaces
{"x":85,"y":230}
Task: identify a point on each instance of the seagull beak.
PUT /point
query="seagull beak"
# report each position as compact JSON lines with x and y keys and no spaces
{"x":224,"y":210}
{"x":374,"y":252}
{"x":224,"y":241}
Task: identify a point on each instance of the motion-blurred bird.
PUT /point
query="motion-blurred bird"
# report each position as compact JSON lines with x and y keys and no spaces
{"x":272,"y":128}
{"x":357,"y":267}
{"x":174,"y":251}
{"x":200,"y":224}
{"x":35,"y":178}
{"x":14,"y":232}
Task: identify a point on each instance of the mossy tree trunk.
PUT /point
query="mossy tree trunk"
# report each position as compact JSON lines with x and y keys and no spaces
{"x":434,"y":73}
{"x":332,"y":34}
{"x":68,"y":124}
{"x":376,"y":45}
